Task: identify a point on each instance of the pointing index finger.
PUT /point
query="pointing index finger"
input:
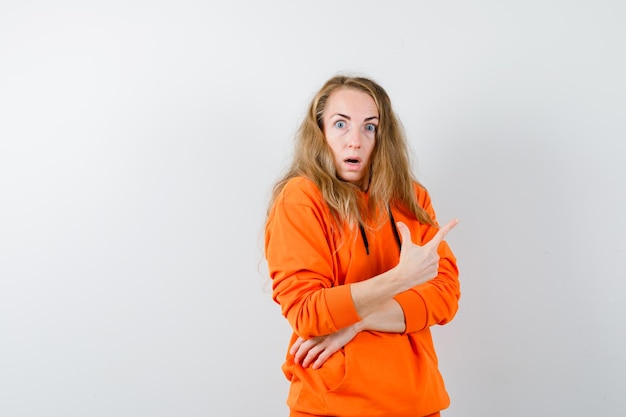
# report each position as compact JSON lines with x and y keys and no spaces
{"x":443,"y":231}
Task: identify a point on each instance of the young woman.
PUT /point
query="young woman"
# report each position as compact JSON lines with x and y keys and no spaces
{"x":358,"y":263}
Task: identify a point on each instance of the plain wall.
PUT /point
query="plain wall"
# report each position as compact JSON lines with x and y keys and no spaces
{"x":139,"y":141}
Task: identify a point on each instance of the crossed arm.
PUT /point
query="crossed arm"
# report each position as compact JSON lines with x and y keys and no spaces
{"x":373,"y":299}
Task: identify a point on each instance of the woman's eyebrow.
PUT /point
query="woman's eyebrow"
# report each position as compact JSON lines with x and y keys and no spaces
{"x":367,"y":119}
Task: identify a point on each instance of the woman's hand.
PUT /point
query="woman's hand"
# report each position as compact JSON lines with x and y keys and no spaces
{"x":419,"y":264}
{"x":318,"y":349}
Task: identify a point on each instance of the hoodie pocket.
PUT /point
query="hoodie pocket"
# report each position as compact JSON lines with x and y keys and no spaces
{"x":381,"y":372}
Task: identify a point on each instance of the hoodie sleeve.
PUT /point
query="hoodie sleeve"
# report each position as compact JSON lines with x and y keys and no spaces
{"x":299,"y":252}
{"x":435,"y":301}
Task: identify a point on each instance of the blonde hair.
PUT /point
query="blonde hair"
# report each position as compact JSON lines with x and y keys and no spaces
{"x":391,"y":180}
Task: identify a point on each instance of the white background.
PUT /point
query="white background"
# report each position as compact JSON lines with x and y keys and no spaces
{"x":139,"y":141}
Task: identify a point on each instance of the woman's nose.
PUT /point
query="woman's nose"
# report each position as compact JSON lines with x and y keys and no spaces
{"x":354,"y":140}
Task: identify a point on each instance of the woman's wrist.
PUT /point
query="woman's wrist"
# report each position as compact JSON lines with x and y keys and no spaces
{"x":360,"y":326}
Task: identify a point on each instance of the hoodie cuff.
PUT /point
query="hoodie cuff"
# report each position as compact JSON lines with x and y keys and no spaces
{"x":341,"y":307}
{"x":414,"y":307}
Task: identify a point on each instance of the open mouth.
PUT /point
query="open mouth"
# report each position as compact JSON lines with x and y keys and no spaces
{"x":352,"y":161}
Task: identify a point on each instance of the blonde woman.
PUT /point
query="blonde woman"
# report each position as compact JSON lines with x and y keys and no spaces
{"x":358,"y":263}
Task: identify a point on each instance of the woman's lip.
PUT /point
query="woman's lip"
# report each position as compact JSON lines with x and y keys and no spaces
{"x":352,"y":165}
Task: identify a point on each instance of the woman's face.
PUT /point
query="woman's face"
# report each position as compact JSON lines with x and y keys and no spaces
{"x":350,"y":121}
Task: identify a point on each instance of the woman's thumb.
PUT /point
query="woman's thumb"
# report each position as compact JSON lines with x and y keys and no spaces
{"x":405,"y":233}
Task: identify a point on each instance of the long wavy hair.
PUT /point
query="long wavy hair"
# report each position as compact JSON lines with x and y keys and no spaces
{"x":391,"y":180}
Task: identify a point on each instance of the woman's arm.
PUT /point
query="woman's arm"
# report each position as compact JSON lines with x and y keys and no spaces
{"x":375,"y":302}
{"x":417,"y":265}
{"x":316,"y":350}
{"x":389,"y":318}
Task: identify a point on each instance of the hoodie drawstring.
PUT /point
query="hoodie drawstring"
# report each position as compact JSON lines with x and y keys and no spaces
{"x":364,"y":236}
{"x":393,"y":227}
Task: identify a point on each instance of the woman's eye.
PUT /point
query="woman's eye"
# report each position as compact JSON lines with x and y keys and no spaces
{"x":340,"y":124}
{"x":370,"y":127}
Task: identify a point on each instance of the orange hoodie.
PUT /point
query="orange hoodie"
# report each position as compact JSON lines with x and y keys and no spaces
{"x":312,"y":267}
